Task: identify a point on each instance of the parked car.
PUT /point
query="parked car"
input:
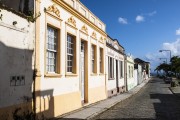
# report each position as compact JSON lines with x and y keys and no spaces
{"x":168,"y":79}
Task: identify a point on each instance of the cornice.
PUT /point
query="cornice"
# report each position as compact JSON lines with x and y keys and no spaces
{"x":110,"y":46}
{"x":79,"y":16}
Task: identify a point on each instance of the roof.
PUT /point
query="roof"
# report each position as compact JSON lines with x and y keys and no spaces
{"x":138,"y":60}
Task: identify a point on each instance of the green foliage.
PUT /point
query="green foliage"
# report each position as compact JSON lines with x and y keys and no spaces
{"x":174,"y":83}
{"x":174,"y":67}
{"x":33,"y":18}
{"x":24,"y":116}
{"x":165,"y":67}
{"x":175,"y":64}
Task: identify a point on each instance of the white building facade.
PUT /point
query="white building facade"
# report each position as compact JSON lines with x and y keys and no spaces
{"x":17,"y":38}
{"x":70,"y":57}
{"x":114,"y":67}
{"x":131,"y":81}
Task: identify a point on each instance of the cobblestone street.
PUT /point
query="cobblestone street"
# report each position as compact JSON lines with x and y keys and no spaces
{"x":153,"y":102}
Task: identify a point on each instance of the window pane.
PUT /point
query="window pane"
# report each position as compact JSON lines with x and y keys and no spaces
{"x":70,"y":53}
{"x":51,"y":42}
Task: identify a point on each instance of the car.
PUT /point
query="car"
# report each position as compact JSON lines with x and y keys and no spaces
{"x":168,"y":79}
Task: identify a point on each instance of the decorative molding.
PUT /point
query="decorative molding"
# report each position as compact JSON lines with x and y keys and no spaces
{"x":72,"y":21}
{"x":94,"y":35}
{"x":53,"y":9}
{"x":78,"y":15}
{"x":101,"y":39}
{"x":85,"y":29}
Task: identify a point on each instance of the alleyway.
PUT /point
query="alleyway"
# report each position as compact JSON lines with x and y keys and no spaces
{"x":154,"y":102}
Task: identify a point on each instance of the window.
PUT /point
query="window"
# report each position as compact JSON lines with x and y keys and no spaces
{"x":71,"y":53}
{"x":71,"y":3}
{"x":110,"y":68}
{"x":100,"y":25}
{"x":23,"y":6}
{"x":51,"y":49}
{"x":93,"y":59}
{"x":92,"y":19}
{"x":83,"y":11}
{"x":132,"y":71}
{"x":121,"y":69}
{"x":101,"y":60}
{"x":129,"y":71}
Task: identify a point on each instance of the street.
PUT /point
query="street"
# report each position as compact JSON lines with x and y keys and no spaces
{"x":153,"y":102}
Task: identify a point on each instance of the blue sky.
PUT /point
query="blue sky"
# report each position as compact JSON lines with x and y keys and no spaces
{"x":143,"y":27}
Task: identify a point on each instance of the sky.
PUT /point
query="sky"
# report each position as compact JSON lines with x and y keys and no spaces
{"x":142,"y":27}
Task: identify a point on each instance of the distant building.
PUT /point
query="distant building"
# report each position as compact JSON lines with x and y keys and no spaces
{"x":114,"y":67}
{"x":143,"y":69}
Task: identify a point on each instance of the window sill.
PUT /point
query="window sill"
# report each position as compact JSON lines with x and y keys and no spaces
{"x":71,"y":75}
{"x":101,"y":74}
{"x":94,"y":74}
{"x":51,"y":75}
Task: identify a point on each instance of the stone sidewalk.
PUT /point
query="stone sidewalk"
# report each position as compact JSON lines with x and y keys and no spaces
{"x":88,"y":112}
{"x":175,"y":90}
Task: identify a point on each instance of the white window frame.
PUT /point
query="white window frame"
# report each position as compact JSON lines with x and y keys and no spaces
{"x":101,"y":60}
{"x":70,"y":53}
{"x":51,"y":49}
{"x":111,"y":68}
{"x":93,"y":58}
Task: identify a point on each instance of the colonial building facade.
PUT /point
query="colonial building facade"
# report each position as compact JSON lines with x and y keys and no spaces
{"x":55,"y":57}
{"x":70,"y":57}
{"x":114,"y":67}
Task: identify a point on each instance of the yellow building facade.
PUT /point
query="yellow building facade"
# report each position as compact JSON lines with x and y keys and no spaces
{"x":70,"y":56}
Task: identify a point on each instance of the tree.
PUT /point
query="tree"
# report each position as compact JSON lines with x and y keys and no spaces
{"x":175,"y":60}
{"x":165,"y":67}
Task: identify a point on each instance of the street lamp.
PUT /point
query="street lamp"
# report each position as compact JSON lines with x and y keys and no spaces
{"x":163,"y":58}
{"x":169,"y":52}
{"x":170,"y":56}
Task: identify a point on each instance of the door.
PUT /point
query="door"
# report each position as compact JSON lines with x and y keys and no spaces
{"x":117,"y":76}
{"x":82,"y":72}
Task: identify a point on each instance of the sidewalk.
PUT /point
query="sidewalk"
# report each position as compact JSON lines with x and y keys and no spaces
{"x":175,"y":90}
{"x":88,"y":112}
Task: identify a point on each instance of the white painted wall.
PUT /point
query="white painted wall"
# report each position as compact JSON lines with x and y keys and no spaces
{"x":16,"y":59}
{"x":111,"y":84}
{"x":135,"y":77}
{"x":62,"y":85}
{"x":130,"y":79}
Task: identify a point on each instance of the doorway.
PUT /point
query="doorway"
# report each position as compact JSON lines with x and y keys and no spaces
{"x":117,"y":74}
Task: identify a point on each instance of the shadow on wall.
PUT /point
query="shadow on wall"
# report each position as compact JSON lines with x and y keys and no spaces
{"x":46,"y":104}
{"x":17,"y":85}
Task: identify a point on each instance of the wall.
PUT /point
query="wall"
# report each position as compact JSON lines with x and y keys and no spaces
{"x":116,"y":84}
{"x":16,"y":63}
{"x":63,"y":90}
{"x":130,"y":76}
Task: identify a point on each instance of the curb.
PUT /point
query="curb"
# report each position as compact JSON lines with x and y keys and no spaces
{"x":173,"y":92}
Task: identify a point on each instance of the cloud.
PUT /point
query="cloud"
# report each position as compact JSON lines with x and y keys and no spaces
{"x":140,"y":18}
{"x":153,"y":58}
{"x":152,"y":13}
{"x":122,"y":20}
{"x":174,"y":47}
{"x":178,"y":31}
